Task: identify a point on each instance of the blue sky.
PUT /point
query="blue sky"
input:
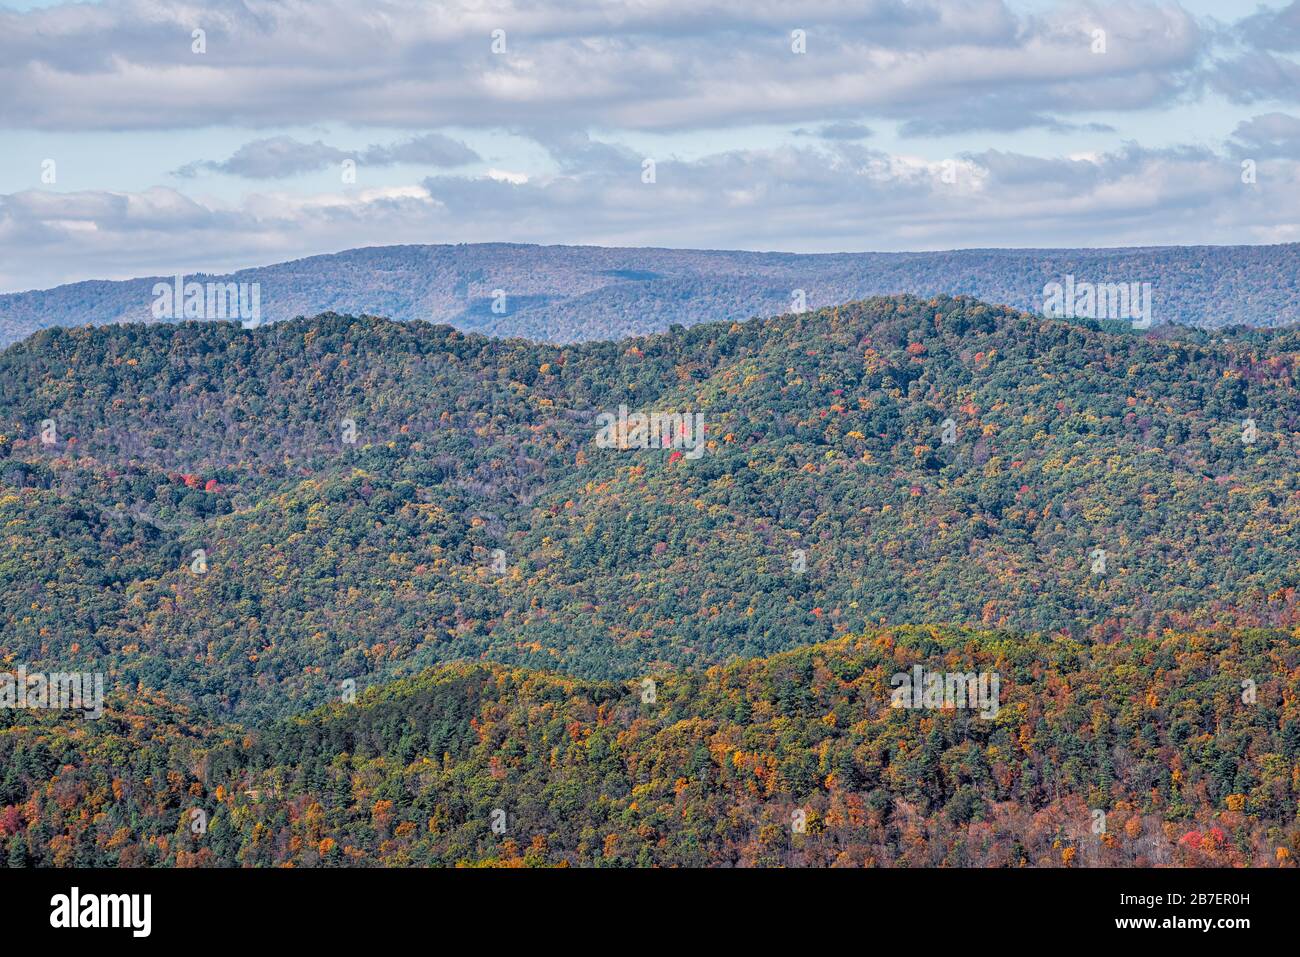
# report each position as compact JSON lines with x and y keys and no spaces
{"x":902,"y":124}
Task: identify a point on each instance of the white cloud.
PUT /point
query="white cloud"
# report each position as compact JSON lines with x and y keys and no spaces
{"x":661,"y":64}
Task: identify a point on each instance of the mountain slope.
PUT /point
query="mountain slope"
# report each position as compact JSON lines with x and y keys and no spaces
{"x":1145,"y":752}
{"x":576,"y":293}
{"x":827,"y":498}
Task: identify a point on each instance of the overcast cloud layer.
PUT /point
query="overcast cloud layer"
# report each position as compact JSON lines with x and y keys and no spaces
{"x":856,"y":125}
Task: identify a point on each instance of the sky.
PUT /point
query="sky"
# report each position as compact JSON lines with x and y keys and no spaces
{"x":147,"y":137}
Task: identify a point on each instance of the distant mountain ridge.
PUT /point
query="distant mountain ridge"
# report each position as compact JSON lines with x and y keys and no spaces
{"x":579,"y":293}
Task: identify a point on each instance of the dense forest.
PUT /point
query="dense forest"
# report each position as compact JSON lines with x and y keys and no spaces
{"x":577,"y":293}
{"x":474,"y":514}
{"x":1141,"y":752}
{"x":233,"y":525}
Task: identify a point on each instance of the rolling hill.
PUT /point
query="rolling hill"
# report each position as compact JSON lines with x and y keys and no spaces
{"x":893,"y":461}
{"x":571,"y":651}
{"x":1139,"y":753}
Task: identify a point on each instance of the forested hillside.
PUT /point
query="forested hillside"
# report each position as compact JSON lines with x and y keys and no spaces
{"x":1143,"y":752}
{"x":577,"y":293}
{"x":199,"y":524}
{"x":567,"y":652}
